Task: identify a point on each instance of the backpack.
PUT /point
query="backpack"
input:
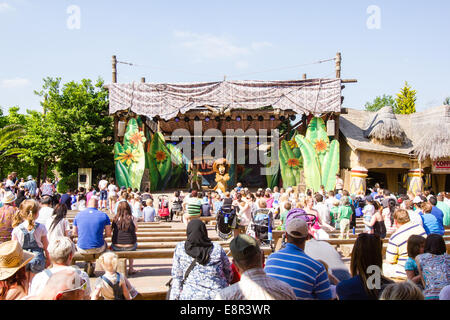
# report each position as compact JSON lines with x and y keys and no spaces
{"x":117,"y":289}
{"x":226,"y":220}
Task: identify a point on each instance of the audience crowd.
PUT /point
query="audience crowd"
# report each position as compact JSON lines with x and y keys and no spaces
{"x":37,"y":243}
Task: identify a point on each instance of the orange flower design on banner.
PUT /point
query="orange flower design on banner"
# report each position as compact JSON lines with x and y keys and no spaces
{"x":320,"y":146}
{"x":293,"y":162}
{"x":137,"y":137}
{"x":160,"y":156}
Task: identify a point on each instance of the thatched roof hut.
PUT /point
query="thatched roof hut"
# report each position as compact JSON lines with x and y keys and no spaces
{"x":383,"y":127}
{"x":435,"y":138}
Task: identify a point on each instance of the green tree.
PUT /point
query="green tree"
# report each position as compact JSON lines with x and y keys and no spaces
{"x":380,"y":102}
{"x":406,"y":100}
{"x":42,"y":151}
{"x":9,"y":135}
{"x":447,"y":101}
{"x":79,"y":128}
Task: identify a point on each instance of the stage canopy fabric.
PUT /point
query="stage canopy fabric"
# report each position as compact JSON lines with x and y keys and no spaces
{"x":312,"y":96}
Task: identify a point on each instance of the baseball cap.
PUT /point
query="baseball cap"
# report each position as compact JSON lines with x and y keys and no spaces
{"x":417,"y":199}
{"x":297,"y":228}
{"x":243,"y":246}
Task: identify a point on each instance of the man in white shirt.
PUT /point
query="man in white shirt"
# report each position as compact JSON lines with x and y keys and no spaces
{"x":339,"y":182}
{"x":322,"y":209}
{"x":102,"y":185}
{"x":330,"y":200}
{"x":46,"y":211}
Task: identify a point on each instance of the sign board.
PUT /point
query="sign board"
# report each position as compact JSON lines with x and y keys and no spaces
{"x":441,"y":166}
{"x":85,"y":178}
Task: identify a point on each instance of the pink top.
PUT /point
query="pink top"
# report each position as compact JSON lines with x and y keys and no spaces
{"x":269,"y":202}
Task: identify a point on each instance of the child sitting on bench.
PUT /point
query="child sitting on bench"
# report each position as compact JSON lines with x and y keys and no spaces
{"x":112,"y":285}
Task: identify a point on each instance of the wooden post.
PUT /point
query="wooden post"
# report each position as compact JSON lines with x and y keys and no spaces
{"x":114,"y":69}
{"x":304,"y":76}
{"x":338,"y":76}
{"x":114,"y":80}
{"x":143,"y":79}
{"x":338,"y":65}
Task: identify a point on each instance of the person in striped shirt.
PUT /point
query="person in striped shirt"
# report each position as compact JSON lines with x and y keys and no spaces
{"x":193,"y":206}
{"x":397,"y":251}
{"x":307,"y":277}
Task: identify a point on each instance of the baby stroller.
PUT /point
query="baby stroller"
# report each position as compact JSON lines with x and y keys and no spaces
{"x":163,"y":209}
{"x":226,"y":220}
{"x":261,"y":226}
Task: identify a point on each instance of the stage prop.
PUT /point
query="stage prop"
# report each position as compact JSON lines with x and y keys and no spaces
{"x":130,"y":157}
{"x":291,"y":163}
{"x":320,"y":157}
{"x":221,"y":168}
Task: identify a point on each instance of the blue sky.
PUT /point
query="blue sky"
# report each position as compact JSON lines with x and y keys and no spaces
{"x":187,"y":41}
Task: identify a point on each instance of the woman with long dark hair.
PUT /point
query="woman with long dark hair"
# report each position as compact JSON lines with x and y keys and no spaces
{"x":377,"y":221}
{"x":366,"y":261}
{"x":124,"y":227}
{"x":208,"y":262}
{"x":388,"y":216}
{"x":58,"y":225}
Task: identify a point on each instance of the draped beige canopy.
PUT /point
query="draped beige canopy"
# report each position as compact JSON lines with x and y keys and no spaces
{"x":166,"y":100}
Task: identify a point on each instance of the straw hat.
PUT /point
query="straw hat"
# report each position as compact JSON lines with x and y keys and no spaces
{"x":12,"y":258}
{"x":9,"y":197}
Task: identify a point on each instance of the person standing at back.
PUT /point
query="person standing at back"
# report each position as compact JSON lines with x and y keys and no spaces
{"x":307,"y":277}
{"x":89,"y":226}
{"x":339,"y":183}
{"x":31,"y":186}
{"x":48,"y":189}
{"x":103,"y":186}
{"x":112,"y":195}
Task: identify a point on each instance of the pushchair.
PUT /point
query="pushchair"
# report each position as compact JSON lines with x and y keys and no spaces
{"x":163,"y":209}
{"x":261,"y":226}
{"x":226,"y":220}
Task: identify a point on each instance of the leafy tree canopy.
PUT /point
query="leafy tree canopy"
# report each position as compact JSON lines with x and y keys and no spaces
{"x":380,"y":102}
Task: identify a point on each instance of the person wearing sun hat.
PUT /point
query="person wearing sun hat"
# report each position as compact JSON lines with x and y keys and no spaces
{"x":307,"y":277}
{"x":6,"y":216}
{"x":13,"y":279}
